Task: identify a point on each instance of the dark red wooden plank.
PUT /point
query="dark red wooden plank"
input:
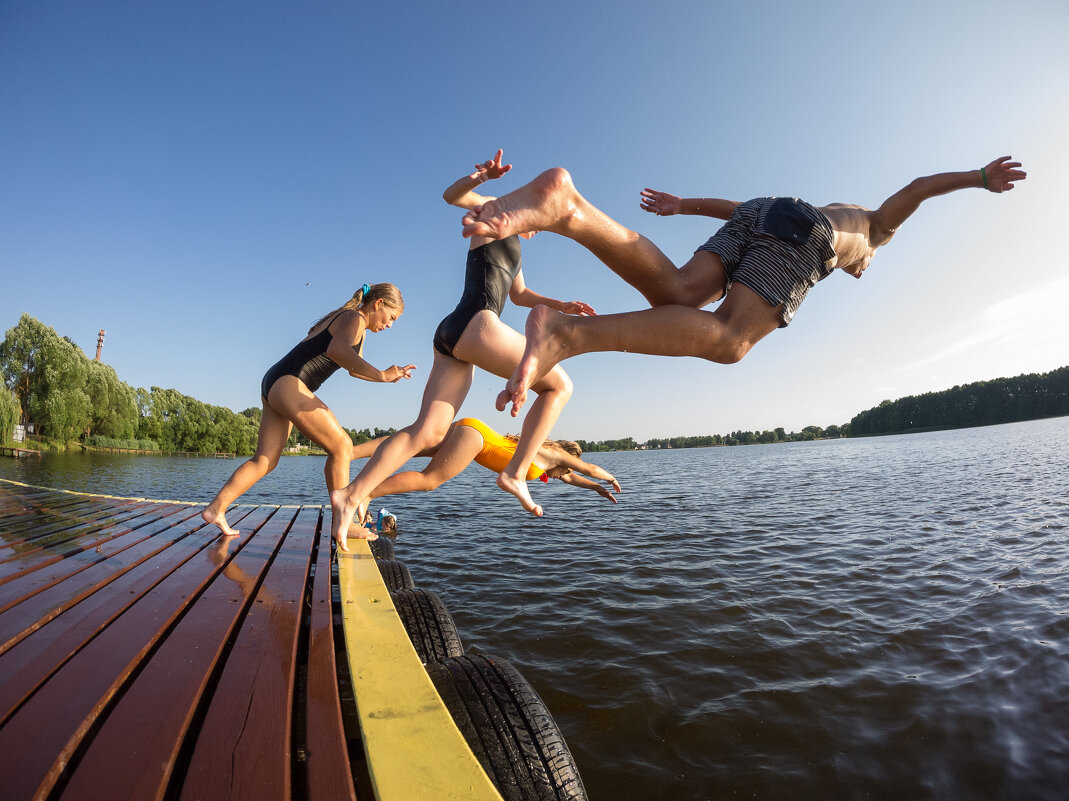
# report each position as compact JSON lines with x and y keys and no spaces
{"x":37,"y":742}
{"x":134,"y":751}
{"x":29,"y":663}
{"x":243,"y":750}
{"x":53,"y":514}
{"x":64,"y":527}
{"x":43,"y":567}
{"x":14,"y":499}
{"x":42,"y":499}
{"x":81,"y":546}
{"x":49,"y":592}
{"x":329,"y":774}
{"x":56,"y":502}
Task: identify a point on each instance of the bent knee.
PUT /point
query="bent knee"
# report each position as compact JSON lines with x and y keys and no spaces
{"x":732,"y":352}
{"x":265,"y":464}
{"x":556,"y":380}
{"x":341,"y":448}
{"x":430,"y":435}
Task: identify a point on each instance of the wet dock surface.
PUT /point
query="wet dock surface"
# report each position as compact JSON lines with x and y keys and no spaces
{"x":144,"y":656}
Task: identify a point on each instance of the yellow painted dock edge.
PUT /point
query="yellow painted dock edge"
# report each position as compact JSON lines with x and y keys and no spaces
{"x":415,"y":752}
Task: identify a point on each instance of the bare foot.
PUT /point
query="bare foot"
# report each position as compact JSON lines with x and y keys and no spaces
{"x":545,"y":347}
{"x":209,"y":515}
{"x":545,"y":204}
{"x":362,"y":531}
{"x":518,"y":487}
{"x":504,"y":397}
{"x":341,"y":517}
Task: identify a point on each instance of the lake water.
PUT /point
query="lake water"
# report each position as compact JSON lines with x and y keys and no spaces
{"x":870,"y":618}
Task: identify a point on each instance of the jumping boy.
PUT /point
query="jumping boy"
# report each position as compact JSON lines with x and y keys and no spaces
{"x":761,"y":262}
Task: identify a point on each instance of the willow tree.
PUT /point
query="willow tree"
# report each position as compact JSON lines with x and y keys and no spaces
{"x":48,"y":374}
{"x":10,"y":413}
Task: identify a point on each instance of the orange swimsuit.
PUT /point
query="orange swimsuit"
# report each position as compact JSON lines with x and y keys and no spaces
{"x":498,"y":450}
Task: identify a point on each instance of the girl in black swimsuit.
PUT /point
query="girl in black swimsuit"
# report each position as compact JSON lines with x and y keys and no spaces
{"x":287,"y":392}
{"x":472,"y":335}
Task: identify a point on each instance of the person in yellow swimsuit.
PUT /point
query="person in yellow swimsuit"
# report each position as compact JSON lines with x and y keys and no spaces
{"x":470,"y":440}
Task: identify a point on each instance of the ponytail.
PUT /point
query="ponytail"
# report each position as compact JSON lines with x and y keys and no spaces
{"x":365,"y":296}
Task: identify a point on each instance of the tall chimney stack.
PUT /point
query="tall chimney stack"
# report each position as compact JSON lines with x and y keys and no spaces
{"x":100,"y":342}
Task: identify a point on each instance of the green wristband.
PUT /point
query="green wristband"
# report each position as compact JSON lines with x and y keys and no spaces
{"x":983,"y":174}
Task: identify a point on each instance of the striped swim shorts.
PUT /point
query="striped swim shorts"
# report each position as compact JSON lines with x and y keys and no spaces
{"x":778,"y":247}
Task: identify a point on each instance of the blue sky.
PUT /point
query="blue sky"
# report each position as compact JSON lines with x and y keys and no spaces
{"x":205,"y":179}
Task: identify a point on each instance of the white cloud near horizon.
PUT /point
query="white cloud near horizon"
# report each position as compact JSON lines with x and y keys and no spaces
{"x":1034,"y":320}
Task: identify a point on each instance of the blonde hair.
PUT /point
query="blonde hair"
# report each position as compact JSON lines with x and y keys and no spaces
{"x":565,"y":445}
{"x":388,"y":293}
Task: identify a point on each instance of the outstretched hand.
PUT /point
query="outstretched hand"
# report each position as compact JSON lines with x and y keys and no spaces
{"x":660,"y":203}
{"x":1001,"y":173}
{"x":605,"y":493}
{"x":491,"y":168}
{"x":393,"y":374}
{"x":579,"y":308}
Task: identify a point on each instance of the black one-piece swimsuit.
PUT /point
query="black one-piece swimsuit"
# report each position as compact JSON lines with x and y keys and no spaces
{"x":307,"y":360}
{"x":489,"y":275}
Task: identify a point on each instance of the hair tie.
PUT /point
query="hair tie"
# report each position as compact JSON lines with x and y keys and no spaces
{"x":366,"y":288}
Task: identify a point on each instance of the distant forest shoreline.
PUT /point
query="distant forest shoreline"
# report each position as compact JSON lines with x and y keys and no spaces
{"x":1030,"y":396}
{"x":68,"y":399}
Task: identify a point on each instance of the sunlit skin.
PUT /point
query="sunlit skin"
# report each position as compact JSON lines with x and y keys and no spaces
{"x":677,"y":325}
{"x":459,"y":449}
{"x":488,"y":343}
{"x":290,"y":403}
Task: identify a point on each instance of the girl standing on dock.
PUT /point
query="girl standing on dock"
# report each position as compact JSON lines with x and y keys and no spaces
{"x":287,"y":391}
{"x":473,"y":334}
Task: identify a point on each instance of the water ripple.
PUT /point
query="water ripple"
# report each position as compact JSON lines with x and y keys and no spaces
{"x":879,"y":618}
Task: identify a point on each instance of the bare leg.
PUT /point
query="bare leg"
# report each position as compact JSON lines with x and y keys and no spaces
{"x":457,"y":451}
{"x":724,"y":336}
{"x":367,"y":449}
{"x":447,"y":386}
{"x":496,"y":348}
{"x":552,"y":203}
{"x":271,"y":439}
{"x":291,"y":398}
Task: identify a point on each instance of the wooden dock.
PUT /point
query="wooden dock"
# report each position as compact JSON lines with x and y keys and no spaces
{"x":18,"y":453}
{"x":144,"y":657}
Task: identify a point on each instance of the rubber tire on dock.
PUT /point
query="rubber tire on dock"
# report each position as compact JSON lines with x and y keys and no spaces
{"x":382,"y":548}
{"x":395,"y":575}
{"x":428,"y":623}
{"x":508,"y":728}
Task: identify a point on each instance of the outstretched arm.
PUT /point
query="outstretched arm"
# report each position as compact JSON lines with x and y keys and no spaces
{"x":998,"y":176}
{"x":577,"y":465}
{"x":580,"y":481}
{"x":664,"y":204}
{"x":347,"y":330}
{"x":460,"y":192}
{"x":522,"y":296}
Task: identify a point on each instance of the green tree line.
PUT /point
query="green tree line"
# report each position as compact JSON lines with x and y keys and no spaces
{"x":1031,"y":396}
{"x":715,"y":440}
{"x":49,"y":382}
{"x":1003,"y":400}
